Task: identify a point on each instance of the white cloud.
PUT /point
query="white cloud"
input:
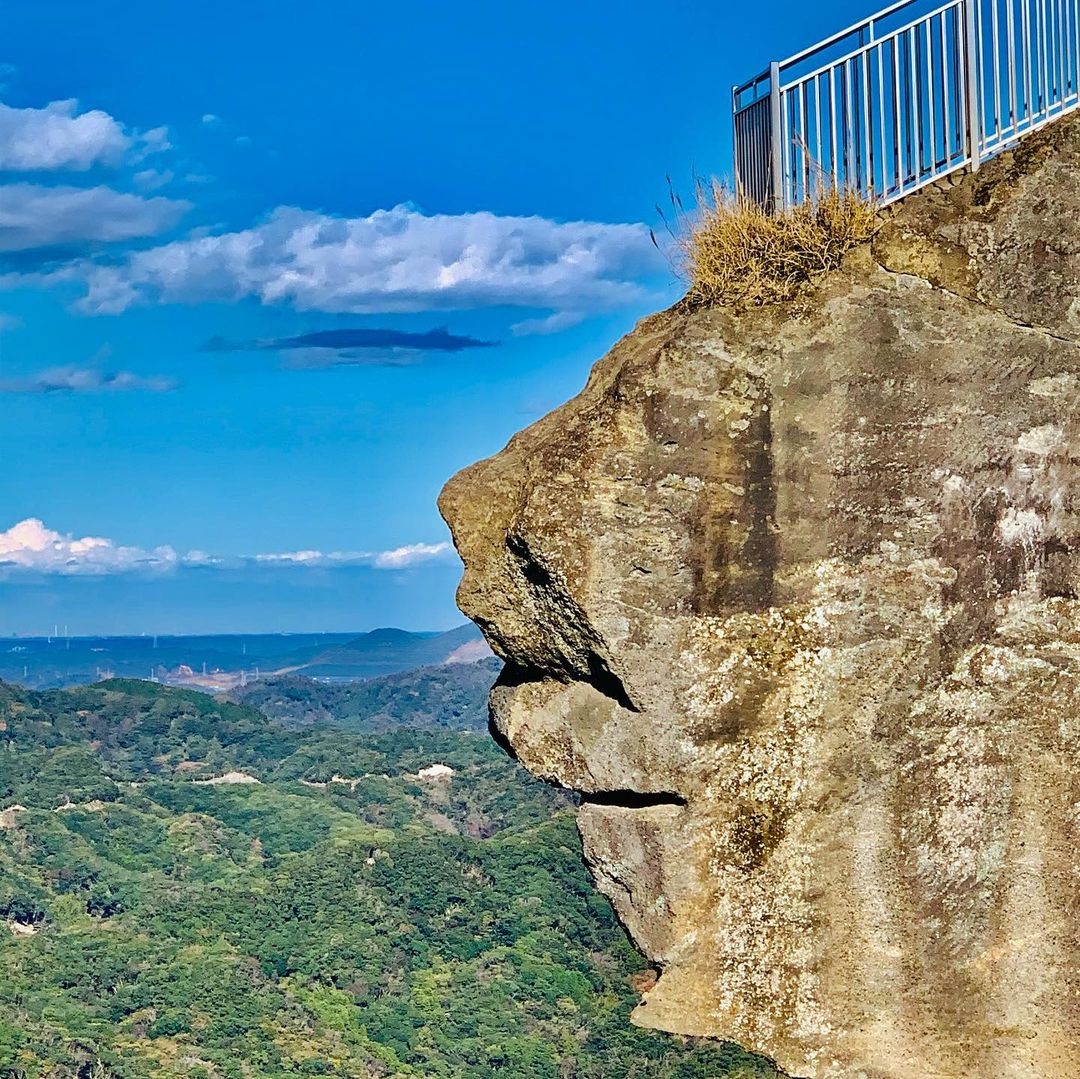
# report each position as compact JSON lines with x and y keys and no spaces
{"x":30,"y":546}
{"x":59,"y":137}
{"x":395,"y":260}
{"x":211,"y":119}
{"x":401,"y":557}
{"x":73,"y":379}
{"x":33,"y":216}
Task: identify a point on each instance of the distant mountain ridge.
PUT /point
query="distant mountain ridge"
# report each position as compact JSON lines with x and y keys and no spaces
{"x":47,"y":663}
{"x":387,"y":651}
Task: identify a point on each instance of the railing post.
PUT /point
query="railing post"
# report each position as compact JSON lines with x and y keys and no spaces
{"x":972,"y":88}
{"x":735,"y":141}
{"x":776,"y":149}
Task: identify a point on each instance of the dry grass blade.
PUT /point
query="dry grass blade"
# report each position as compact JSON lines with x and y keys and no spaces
{"x":734,"y":252}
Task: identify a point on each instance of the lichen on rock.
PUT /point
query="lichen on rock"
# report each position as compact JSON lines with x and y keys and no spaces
{"x":790,"y":595}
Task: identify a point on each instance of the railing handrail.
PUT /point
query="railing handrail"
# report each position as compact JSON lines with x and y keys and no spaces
{"x":883,"y":40}
{"x":821,"y":46}
{"x":864,"y":24}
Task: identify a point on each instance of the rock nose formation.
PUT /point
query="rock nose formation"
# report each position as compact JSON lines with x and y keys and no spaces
{"x":790,"y":595}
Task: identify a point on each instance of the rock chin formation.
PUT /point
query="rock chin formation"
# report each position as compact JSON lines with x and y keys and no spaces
{"x":790,"y":595}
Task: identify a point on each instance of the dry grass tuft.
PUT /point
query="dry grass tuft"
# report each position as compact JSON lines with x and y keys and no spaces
{"x":733,"y":252}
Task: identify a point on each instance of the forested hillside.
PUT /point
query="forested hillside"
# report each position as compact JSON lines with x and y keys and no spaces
{"x":450,"y":695}
{"x":324,"y":911}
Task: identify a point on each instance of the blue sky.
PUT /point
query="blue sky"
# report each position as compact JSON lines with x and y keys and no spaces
{"x":270,"y":273}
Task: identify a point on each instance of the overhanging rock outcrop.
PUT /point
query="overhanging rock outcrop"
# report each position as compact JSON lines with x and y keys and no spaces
{"x":790,"y":594}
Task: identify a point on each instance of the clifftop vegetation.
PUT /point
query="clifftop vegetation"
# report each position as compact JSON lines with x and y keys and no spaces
{"x":734,"y":252}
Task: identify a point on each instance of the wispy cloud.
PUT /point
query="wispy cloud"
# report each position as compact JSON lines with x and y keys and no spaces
{"x":73,"y":379}
{"x":152,"y":179}
{"x":58,"y":136}
{"x":147,"y":143}
{"x":398,"y":260}
{"x":31,"y":547}
{"x":354,"y":345}
{"x":398,"y":558}
{"x":553,"y":323}
{"x":38,"y":218}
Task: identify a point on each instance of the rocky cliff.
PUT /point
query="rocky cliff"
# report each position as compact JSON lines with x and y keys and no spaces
{"x":790,"y":595}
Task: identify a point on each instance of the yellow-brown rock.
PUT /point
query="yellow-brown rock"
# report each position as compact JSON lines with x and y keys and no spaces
{"x":790,"y":595}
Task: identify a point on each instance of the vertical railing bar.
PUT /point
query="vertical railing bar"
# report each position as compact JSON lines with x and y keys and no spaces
{"x":946,"y":108}
{"x":1044,"y":103}
{"x":898,"y":169}
{"x":1025,"y":54}
{"x":1060,"y":39}
{"x":975,"y":97}
{"x":1053,"y":36}
{"x":984,"y":74}
{"x":785,"y":156}
{"x":777,"y":137}
{"x":907,"y":77}
{"x":1063,"y":56}
{"x":851,"y":149}
{"x":747,"y":185}
{"x":819,"y":164}
{"x":1066,"y":52}
{"x":867,"y":121}
{"x":929,"y":40}
{"x":914,"y":68}
{"x":1074,"y":48}
{"x":795,"y":109}
{"x":884,"y":156}
{"x":971,"y":85}
{"x":996,"y":45}
{"x":958,"y":84}
{"x":1033,"y":58}
{"x":1066,"y":61}
{"x":1056,"y":54}
{"x":953,"y":85}
{"x":1074,"y":39}
{"x":832,"y":127}
{"x":880,"y":167}
{"x":741,"y":180}
{"x":804,"y":138}
{"x":1010,"y":69}
{"x":1010,"y":34}
{"x":1048,"y":53}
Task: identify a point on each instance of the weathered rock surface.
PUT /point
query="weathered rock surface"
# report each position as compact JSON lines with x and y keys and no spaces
{"x":791,"y":595}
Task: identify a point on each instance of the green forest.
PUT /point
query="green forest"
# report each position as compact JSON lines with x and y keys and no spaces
{"x":325,"y":911}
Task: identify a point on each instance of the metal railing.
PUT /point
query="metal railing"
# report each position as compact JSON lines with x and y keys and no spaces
{"x":912,"y":94}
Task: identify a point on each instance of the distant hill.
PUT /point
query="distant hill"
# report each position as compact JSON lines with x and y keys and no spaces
{"x":384,"y":651}
{"x":452,"y":696}
{"x":219,"y":662}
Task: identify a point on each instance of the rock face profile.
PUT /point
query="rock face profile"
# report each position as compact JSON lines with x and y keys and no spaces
{"x":789,"y":594}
